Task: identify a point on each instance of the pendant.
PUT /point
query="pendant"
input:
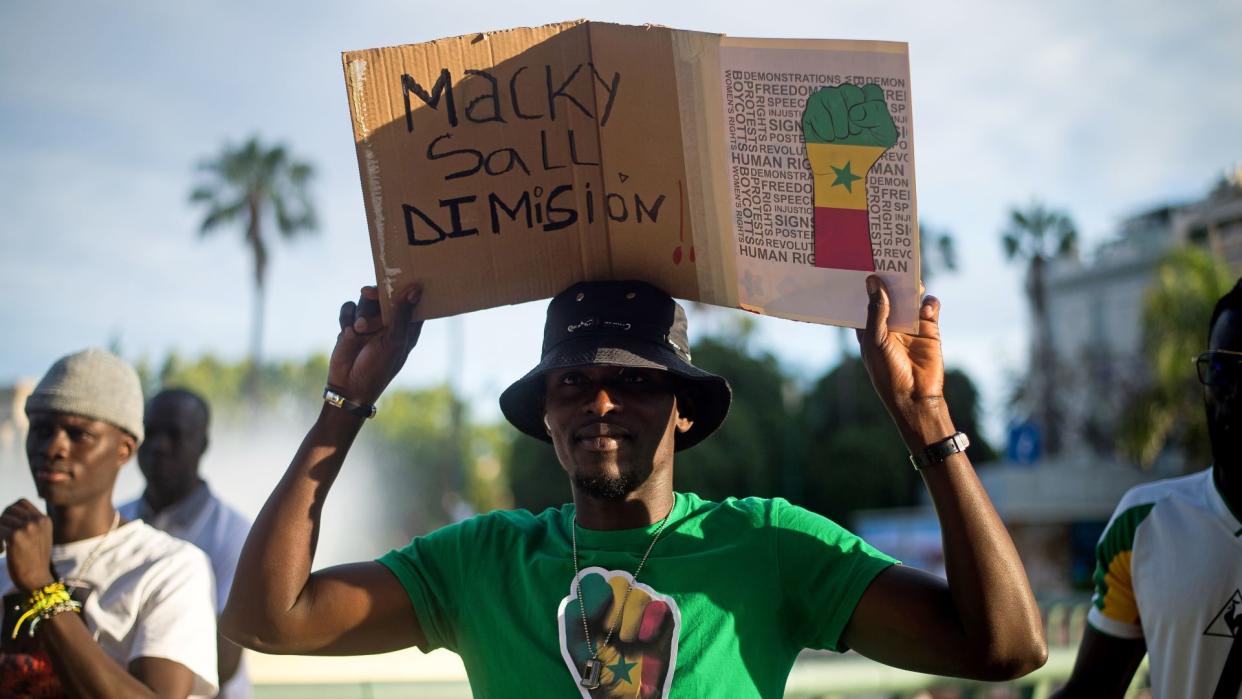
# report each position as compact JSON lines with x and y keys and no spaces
{"x":591,"y":673}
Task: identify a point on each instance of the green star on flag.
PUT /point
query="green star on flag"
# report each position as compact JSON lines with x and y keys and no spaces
{"x":621,"y":669}
{"x":844,"y":177}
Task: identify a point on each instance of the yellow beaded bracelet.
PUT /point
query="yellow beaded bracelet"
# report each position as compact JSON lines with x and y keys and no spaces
{"x":43,"y":600}
{"x":68,"y":606}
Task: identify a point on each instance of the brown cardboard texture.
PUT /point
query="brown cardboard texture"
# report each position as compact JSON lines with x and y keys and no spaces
{"x":500,"y":168}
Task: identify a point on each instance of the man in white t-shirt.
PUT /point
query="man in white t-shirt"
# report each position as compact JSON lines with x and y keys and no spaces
{"x":1169,"y":575}
{"x":178,"y":501}
{"x":94,"y":605}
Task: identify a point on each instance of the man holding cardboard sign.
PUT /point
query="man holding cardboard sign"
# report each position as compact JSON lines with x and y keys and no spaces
{"x":634,"y":590}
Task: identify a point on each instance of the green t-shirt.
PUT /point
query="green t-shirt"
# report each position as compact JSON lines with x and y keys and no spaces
{"x":730,"y":594}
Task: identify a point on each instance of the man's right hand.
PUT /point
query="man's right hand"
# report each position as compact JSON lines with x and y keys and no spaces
{"x":26,"y":536}
{"x":369,"y":354}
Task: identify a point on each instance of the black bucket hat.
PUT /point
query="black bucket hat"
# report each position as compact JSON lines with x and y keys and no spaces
{"x":624,"y":324}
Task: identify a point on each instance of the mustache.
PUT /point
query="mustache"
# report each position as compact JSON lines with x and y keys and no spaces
{"x":599,"y":428}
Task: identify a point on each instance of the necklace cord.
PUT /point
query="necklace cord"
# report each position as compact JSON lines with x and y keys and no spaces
{"x":586,"y":631}
{"x":81,"y":570}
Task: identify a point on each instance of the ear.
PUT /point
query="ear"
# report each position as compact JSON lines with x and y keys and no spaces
{"x":684,"y":423}
{"x":126,"y":446}
{"x":541,"y":403}
{"x":684,"y":405}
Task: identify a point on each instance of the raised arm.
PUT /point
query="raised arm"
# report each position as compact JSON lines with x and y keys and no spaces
{"x":983,"y":621}
{"x":82,"y":666}
{"x":277,"y":605}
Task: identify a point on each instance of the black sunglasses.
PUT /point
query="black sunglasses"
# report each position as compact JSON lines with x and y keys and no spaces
{"x":1219,"y":368}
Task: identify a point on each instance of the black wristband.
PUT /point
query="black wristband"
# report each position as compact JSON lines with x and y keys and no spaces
{"x":335,"y":399}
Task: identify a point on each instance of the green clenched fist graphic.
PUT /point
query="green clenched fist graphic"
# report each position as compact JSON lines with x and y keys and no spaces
{"x":849,"y":115}
{"x":846,"y":130}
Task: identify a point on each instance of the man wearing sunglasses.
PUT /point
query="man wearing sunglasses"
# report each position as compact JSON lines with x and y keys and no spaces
{"x":1168,"y":580}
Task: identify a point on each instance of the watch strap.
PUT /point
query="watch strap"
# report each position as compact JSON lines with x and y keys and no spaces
{"x":939,"y":451}
{"x":363,"y":410}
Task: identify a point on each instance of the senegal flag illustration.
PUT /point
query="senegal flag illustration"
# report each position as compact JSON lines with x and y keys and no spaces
{"x":640,"y":656}
{"x":846,"y":129}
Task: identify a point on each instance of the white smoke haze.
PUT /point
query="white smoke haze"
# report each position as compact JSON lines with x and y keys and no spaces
{"x":245,"y":461}
{"x":243,"y":464}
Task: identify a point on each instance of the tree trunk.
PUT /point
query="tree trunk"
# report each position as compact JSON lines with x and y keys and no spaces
{"x":256,"y":335}
{"x":254,"y":238}
{"x":1044,"y":362}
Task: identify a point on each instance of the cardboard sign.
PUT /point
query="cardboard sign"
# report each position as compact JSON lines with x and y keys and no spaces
{"x":768,"y":175}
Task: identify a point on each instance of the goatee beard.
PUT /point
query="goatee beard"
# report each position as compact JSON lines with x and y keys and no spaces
{"x":608,"y":487}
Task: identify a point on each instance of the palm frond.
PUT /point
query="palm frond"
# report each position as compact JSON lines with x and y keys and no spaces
{"x":274,"y":159}
{"x":1011,"y":245}
{"x":1039,"y":231}
{"x":1067,"y":245}
{"x":948,"y":251}
{"x":292,"y":219}
{"x":219,"y":215}
{"x":203,"y":193}
{"x":300,"y":173}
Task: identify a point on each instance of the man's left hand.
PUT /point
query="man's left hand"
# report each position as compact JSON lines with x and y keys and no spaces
{"x":907,"y":370}
{"x":26,"y":538}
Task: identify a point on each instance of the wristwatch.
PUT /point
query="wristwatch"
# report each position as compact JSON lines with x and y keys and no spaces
{"x":360,"y":409}
{"x":939,"y":451}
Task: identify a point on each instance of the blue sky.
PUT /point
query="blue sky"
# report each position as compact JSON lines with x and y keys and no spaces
{"x":1102,"y":109}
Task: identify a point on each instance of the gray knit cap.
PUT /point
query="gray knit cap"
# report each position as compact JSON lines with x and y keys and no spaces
{"x":93,"y":383}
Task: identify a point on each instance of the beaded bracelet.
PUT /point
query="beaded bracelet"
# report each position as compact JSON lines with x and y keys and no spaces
{"x":44,"y":603}
{"x":67,"y":606}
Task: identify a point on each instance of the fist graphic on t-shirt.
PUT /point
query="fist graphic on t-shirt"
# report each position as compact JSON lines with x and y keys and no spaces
{"x":846,"y":129}
{"x":638,"y":660}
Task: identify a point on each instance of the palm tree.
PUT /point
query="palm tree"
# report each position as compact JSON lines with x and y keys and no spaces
{"x":1176,"y":309}
{"x":1038,"y":235}
{"x":253,"y":185}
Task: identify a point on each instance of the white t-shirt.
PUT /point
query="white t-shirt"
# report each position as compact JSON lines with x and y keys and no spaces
{"x":220,"y":531}
{"x":151,"y":596}
{"x":1169,"y":571}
